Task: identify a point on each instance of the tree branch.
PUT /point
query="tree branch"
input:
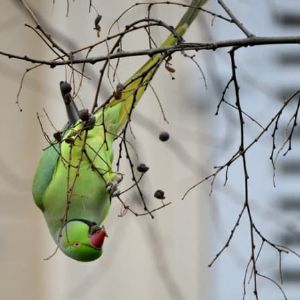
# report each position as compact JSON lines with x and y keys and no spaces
{"x":252,"y":41}
{"x":235,"y":19}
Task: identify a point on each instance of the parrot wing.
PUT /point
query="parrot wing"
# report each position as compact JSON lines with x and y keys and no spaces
{"x":44,"y":173}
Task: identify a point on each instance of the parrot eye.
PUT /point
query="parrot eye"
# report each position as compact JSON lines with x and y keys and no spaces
{"x":76,"y":244}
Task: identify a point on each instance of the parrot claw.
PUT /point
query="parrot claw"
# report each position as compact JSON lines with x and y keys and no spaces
{"x":112,"y":189}
{"x":112,"y":186}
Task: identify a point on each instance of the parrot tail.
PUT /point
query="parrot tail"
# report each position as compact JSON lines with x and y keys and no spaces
{"x":117,"y":109}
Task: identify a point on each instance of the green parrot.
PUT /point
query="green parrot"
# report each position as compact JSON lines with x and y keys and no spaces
{"x":74,"y":181}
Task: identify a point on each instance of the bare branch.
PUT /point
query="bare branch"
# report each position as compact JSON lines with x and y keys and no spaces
{"x":252,"y":41}
{"x":235,"y":19}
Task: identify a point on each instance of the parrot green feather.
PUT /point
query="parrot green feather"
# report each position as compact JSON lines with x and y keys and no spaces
{"x":70,"y":184}
{"x":44,"y":173}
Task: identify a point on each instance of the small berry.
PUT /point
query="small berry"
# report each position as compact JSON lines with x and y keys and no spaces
{"x":57,"y":136}
{"x":97,"y":21}
{"x":142,"y":168}
{"x":70,"y":140}
{"x":118,"y":91}
{"x":84,"y":114}
{"x":164,"y":136}
{"x":159,"y":194}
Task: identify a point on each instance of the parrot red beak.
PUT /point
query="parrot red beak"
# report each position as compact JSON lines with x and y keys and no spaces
{"x":97,"y":238}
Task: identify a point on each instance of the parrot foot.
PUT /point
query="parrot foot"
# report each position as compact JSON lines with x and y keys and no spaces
{"x":112,"y":186}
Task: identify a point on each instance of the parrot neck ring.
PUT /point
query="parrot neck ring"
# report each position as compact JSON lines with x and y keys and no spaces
{"x":97,"y":233}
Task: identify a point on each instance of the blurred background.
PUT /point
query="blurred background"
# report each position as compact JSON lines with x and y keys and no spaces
{"x":167,"y":257}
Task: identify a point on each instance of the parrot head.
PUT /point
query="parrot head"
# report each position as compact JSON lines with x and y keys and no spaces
{"x":82,"y":240}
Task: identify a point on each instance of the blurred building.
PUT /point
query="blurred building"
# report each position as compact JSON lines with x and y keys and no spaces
{"x":267,"y":76}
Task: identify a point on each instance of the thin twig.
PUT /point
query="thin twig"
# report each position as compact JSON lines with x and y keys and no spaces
{"x":235,"y":19}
